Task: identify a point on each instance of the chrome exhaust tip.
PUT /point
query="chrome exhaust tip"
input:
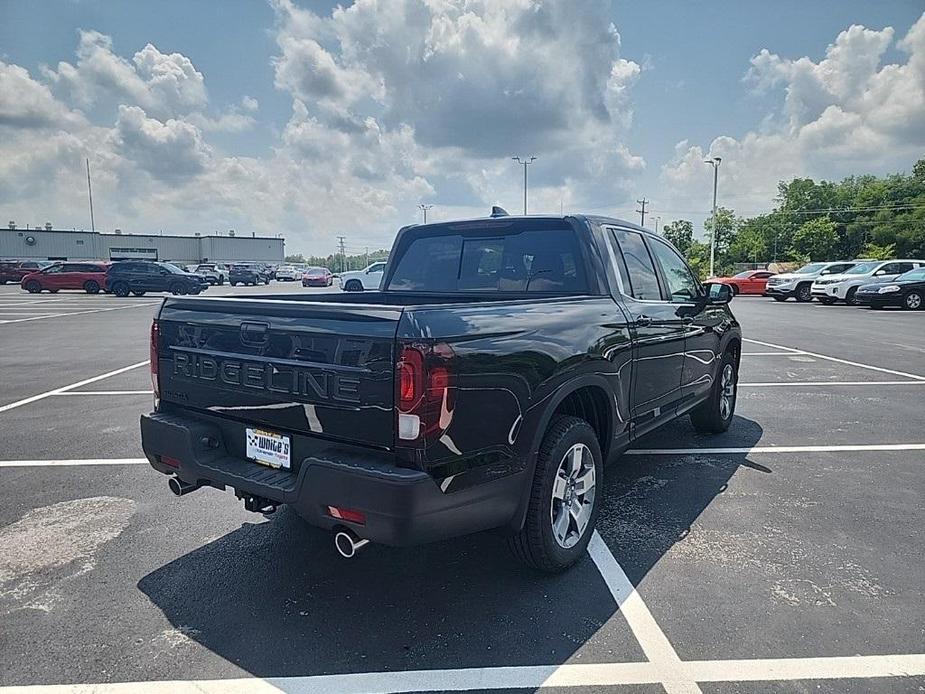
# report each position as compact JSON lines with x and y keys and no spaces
{"x":347,"y":543}
{"x":179,"y":487}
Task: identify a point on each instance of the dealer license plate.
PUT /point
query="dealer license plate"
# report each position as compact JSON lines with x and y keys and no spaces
{"x":268,"y":448}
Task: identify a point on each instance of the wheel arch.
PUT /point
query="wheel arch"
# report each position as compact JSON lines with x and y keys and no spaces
{"x":590,"y":394}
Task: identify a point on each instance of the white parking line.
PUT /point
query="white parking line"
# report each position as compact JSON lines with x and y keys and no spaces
{"x":107,"y":392}
{"x":651,"y":638}
{"x":836,"y":359}
{"x":524,"y":677}
{"x":797,"y":384}
{"x":771,"y":354}
{"x":76,"y":313}
{"x":62,"y":389}
{"x":779,"y":449}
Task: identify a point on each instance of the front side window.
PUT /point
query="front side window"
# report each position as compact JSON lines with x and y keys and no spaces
{"x":639,"y":272}
{"x":378,"y":267}
{"x":681,"y":283}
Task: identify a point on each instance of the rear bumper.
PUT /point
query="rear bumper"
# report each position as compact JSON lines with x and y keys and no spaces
{"x":402,"y":506}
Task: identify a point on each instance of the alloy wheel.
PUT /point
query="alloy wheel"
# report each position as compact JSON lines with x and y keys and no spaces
{"x":573,"y":492}
{"x":913,"y":301}
{"x":728,"y":394}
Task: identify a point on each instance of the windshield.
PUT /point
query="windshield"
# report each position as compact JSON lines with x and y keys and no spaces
{"x":810,"y":269}
{"x":174,"y":269}
{"x":912,"y":276}
{"x":861,"y":269}
{"x":743,"y":275}
{"x":528,"y":260}
{"x":315,"y":271}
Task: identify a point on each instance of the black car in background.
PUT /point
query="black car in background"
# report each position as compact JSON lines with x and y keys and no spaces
{"x":243,"y":273}
{"x":907,"y":291}
{"x":140,"y":276}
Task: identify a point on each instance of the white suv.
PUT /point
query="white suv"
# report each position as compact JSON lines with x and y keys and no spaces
{"x":358,"y":280}
{"x":799,"y":283}
{"x":842,"y":287}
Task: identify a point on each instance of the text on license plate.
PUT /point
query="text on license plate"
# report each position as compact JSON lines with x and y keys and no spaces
{"x":268,"y":448}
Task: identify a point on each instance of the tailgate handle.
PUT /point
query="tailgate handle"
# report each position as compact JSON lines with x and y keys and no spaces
{"x":254,"y":334}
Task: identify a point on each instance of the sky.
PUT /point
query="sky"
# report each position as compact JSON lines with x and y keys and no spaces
{"x":314,"y":120}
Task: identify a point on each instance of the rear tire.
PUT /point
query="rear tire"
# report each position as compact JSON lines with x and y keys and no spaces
{"x":233,"y":284}
{"x":780,"y":298}
{"x":913,"y":301}
{"x":715,"y":414}
{"x":33,"y":287}
{"x":121,"y":289}
{"x":92,"y":287}
{"x":568,"y":468}
{"x":138,"y":293}
{"x":850,"y":299}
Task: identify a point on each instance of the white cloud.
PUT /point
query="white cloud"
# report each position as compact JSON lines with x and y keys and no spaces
{"x":844,"y":114}
{"x":391,"y":104}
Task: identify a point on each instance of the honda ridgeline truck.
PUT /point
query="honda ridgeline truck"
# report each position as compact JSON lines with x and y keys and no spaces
{"x":502,"y":363}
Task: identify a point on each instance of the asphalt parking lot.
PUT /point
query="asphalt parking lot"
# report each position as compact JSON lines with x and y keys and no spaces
{"x":786,"y":555}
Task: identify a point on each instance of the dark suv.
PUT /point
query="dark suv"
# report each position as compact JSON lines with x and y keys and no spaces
{"x":138,"y":277}
{"x":248,"y":274}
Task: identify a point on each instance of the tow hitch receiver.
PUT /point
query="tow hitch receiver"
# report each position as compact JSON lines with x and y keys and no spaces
{"x":257,"y":504}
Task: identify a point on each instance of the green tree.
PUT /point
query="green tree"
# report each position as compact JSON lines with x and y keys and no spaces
{"x":680,"y":233}
{"x":872,"y":250}
{"x":816,"y":239}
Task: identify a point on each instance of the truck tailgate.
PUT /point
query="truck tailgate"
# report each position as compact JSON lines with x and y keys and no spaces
{"x":323,"y":369}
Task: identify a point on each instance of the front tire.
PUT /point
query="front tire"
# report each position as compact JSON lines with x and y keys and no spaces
{"x":563,"y":497}
{"x":353,"y":286}
{"x":850,"y":297}
{"x":233,"y":284}
{"x":780,"y":298}
{"x":826,"y":300}
{"x":715,"y":414}
{"x":913,"y":301}
{"x":138,"y":293}
{"x":33,"y":287}
{"x":120,"y":289}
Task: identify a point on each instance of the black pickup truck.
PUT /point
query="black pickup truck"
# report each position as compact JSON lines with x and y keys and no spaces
{"x":503,"y":363}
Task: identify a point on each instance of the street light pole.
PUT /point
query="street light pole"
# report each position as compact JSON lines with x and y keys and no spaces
{"x":714,"y":162}
{"x":525,"y":163}
{"x":424,"y":209}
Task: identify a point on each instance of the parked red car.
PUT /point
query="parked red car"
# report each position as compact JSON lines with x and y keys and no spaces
{"x":91,"y":277}
{"x":317,"y":277}
{"x":15,"y":270}
{"x":748,"y":282}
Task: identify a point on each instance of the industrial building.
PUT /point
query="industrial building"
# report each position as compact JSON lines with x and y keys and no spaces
{"x":57,"y":244}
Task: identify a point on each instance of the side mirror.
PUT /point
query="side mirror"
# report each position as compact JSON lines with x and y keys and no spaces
{"x":718,"y":293}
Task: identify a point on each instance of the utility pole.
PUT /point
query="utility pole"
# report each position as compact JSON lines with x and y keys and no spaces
{"x":90,"y":193}
{"x":367,"y":254}
{"x":525,"y":163}
{"x":424,"y":209}
{"x":658,"y":225}
{"x":343,"y":255}
{"x":714,"y":162}
{"x":642,"y":211}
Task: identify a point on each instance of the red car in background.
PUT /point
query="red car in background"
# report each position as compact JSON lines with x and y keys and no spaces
{"x":317,"y":277}
{"x":91,"y":277}
{"x":15,"y":270}
{"x":748,"y":282}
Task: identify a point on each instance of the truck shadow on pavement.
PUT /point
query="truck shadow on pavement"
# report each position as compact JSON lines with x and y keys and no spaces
{"x":273,"y":597}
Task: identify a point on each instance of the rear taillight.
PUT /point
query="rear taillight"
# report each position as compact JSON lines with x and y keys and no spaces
{"x":155,"y":335}
{"x":425,"y":392}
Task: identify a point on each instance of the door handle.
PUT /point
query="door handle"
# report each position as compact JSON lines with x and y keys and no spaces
{"x":687,"y":320}
{"x":643,"y":321}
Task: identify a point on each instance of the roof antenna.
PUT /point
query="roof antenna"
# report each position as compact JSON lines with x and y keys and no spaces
{"x":497,"y":211}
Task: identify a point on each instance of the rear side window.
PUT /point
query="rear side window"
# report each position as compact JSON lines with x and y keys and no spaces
{"x":528,"y":261}
{"x":638,"y":272}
